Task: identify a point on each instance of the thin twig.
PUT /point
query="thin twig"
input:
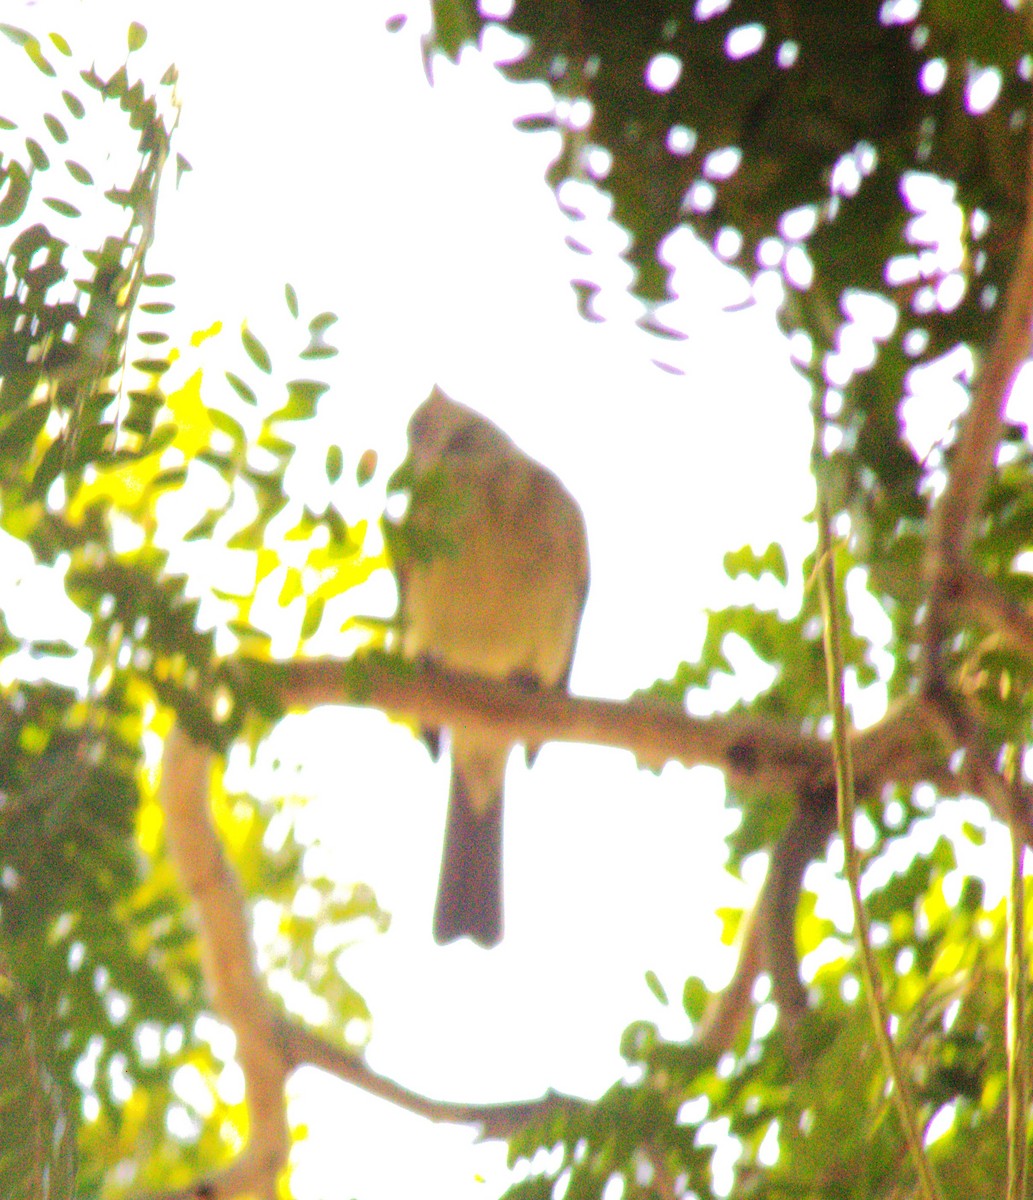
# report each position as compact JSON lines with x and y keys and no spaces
{"x":830,"y":599}
{"x":1015,"y":966}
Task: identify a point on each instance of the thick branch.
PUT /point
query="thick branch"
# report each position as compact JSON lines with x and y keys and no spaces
{"x":757,"y":754}
{"x":958,"y":507}
{"x":954,"y":517}
{"x":230,"y":973}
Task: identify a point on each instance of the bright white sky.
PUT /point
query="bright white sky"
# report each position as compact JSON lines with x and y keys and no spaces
{"x":322,"y":157}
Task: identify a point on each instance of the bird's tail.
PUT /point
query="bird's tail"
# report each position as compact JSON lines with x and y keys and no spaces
{"x":469,"y":902}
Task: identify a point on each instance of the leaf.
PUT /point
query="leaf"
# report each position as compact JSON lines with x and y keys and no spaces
{"x":62,"y":206}
{"x":30,"y":45}
{"x":18,"y":36}
{"x":62,"y":46}
{"x":152,"y":366}
{"x":52,"y":649}
{"x":366,"y":467}
{"x":136,"y":36}
{"x":16,"y":196}
{"x":302,"y":398}
{"x":317,"y":348}
{"x":23,"y":429}
{"x":233,"y":429}
{"x":74,"y":105}
{"x":203,"y":530}
{"x":334,"y":463}
{"x":656,"y":987}
{"x":169,"y":480}
{"x":49,"y":468}
{"x":537,"y":123}
{"x":55,"y":128}
{"x":313,"y":617}
{"x":6,"y":124}
{"x":255,"y":350}
{"x":455,"y":26}
{"x":158,"y":308}
{"x":291,"y":297}
{"x":158,"y":280}
{"x":241,"y":388}
{"x":586,"y":293}
{"x":321,"y":323}
{"x":746,"y":562}
{"x":78,"y":172}
{"x":37,"y":154}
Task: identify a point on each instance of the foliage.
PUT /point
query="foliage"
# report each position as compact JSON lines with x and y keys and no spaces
{"x":820,"y":146}
{"x":816,"y":144}
{"x":100,"y":989}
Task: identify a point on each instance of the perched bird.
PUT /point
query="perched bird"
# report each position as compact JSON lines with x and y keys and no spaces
{"x":493,"y":573}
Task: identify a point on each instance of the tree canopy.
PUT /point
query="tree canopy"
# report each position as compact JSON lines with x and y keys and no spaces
{"x":874,"y":158}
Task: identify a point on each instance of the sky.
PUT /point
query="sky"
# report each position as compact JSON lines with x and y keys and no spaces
{"x":321,"y":157}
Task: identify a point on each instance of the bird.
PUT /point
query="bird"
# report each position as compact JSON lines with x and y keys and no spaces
{"x":492,"y":565}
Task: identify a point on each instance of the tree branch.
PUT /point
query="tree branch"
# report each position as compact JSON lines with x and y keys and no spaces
{"x":305,"y":1047}
{"x":758,"y":755}
{"x":230,"y":973}
{"x":955,"y":514}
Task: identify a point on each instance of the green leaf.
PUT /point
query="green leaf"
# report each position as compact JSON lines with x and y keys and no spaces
{"x":61,"y":206}
{"x":136,"y":36}
{"x":23,"y":429}
{"x":52,"y":649}
{"x":455,"y":26}
{"x":78,"y":172}
{"x":159,"y":280}
{"x":302,"y":397}
{"x":313,"y":616}
{"x":255,"y":350}
{"x":163,"y":436}
{"x":317,"y":350}
{"x":158,"y":308}
{"x":203,"y":530}
{"x":656,"y":987}
{"x":226,"y":424}
{"x":974,"y":833}
{"x":37,"y":154}
{"x":6,"y":124}
{"x":74,"y":105}
{"x":334,"y":463}
{"x":152,"y":366}
{"x":62,"y":46}
{"x":321,"y":323}
{"x":746,"y":561}
{"x":49,"y":468}
{"x":35,"y":53}
{"x":291,"y":297}
{"x":55,"y":128}
{"x":695,"y":998}
{"x":366,"y":467}
{"x":241,"y":388}
{"x":168,"y":480}
{"x":18,"y":36}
